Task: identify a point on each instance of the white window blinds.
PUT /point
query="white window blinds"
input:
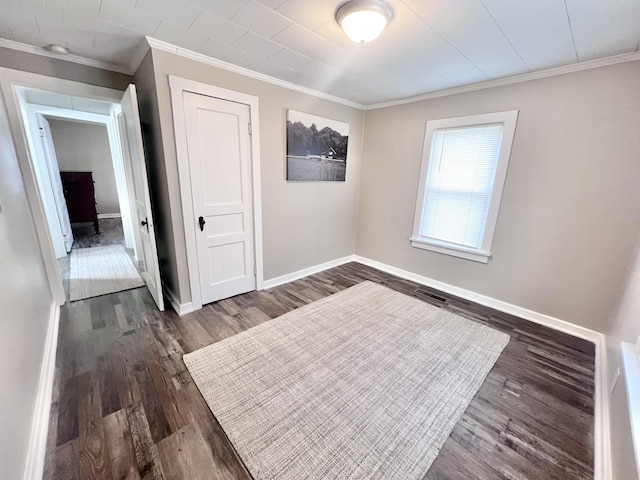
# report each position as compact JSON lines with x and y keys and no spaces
{"x":460,"y":178}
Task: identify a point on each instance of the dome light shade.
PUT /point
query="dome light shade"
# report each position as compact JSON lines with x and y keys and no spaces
{"x":59,"y":49}
{"x":363,"y":20}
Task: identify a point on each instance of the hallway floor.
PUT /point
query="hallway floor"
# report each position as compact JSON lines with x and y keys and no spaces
{"x":124,"y":405}
{"x":111,"y":233}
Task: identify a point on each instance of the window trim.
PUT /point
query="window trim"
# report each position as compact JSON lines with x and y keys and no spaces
{"x":483,"y":253}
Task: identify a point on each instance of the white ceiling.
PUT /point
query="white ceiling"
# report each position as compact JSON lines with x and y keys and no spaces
{"x":430,"y":45}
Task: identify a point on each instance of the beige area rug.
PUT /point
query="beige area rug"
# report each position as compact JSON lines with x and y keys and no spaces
{"x":365,"y":384}
{"x":100,"y":270}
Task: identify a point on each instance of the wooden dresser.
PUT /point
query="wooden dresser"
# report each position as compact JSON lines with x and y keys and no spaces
{"x":80,"y":195}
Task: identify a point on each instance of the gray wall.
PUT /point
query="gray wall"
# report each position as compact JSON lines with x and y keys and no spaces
{"x":52,"y":67}
{"x":85,"y":147}
{"x":304,"y":224}
{"x":154,"y":151}
{"x":26,"y":305}
{"x":565,"y":243}
{"x":568,"y":225}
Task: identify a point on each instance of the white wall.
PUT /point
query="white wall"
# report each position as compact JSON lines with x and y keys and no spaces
{"x":625,"y":326}
{"x":304,"y":224}
{"x":26,"y":306}
{"x":567,"y":227}
{"x":85,"y":147}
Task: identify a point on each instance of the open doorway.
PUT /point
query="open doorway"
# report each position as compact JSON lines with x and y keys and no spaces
{"x":89,"y":185}
{"x":97,"y":212}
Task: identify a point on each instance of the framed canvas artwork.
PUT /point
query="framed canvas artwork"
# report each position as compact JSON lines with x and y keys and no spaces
{"x":316,"y":148}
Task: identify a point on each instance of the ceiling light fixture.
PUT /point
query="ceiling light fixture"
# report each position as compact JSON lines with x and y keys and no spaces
{"x":363,"y":20}
{"x":59,"y":49}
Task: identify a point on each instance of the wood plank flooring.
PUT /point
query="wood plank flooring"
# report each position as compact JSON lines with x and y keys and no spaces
{"x":124,"y":406}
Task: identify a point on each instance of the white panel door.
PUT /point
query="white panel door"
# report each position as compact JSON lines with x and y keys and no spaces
{"x":219,"y":145}
{"x":136,"y":171}
{"x":56,"y":181}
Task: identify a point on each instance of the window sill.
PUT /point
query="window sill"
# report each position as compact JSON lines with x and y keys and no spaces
{"x":453,"y":250}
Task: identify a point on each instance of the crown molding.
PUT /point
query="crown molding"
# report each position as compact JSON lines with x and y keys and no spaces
{"x":199,"y":57}
{"x":149,"y":42}
{"x":23,"y":47}
{"x":525,"y":77}
{"x":138,"y":56}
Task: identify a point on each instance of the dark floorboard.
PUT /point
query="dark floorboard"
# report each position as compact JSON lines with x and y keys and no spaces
{"x":124,"y":405}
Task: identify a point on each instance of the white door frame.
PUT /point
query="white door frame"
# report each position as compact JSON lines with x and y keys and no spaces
{"x":42,"y":170}
{"x":178,"y":86}
{"x":10,"y":81}
{"x":50,"y":156}
{"x":123,"y":188}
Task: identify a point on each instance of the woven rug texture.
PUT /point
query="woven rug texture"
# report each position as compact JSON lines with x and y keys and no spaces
{"x":367,"y":383}
{"x":100,"y":270}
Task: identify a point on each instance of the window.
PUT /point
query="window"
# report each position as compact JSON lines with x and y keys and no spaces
{"x":464,"y":164}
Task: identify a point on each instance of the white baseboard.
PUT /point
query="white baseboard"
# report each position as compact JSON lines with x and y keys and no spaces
{"x":305,"y":272}
{"x":109,"y":215}
{"x":40,"y":424}
{"x":180,"y":308}
{"x":539,"y":318}
{"x":602,"y":440}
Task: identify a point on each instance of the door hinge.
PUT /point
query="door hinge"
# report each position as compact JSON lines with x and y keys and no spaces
{"x":249,"y":125}
{"x":255,"y":270}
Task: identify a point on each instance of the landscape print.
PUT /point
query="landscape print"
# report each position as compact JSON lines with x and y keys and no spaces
{"x":316,"y":148}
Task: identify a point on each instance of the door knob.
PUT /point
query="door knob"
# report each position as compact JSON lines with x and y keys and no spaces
{"x":201,"y":222}
{"x":144,"y":223}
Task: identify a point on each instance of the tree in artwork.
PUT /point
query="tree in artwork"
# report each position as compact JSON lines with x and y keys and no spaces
{"x":303,"y":140}
{"x":316,"y":148}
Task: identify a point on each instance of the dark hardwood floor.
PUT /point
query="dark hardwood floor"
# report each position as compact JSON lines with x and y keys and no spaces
{"x":124,"y":405}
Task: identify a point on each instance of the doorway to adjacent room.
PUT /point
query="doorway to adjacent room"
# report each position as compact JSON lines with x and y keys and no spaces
{"x":86,"y":154}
